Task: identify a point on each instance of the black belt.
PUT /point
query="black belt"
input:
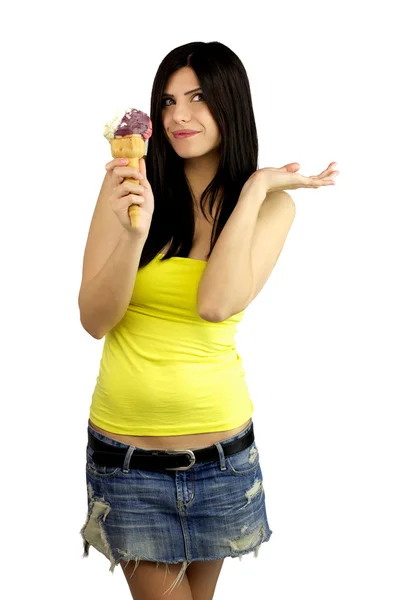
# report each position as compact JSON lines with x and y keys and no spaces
{"x":177,"y":460}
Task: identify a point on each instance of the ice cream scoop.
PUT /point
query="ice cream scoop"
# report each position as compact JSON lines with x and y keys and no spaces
{"x":128,"y":122}
{"x":127,"y":133}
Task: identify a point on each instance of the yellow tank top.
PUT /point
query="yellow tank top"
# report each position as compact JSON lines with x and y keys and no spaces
{"x":164,"y":370}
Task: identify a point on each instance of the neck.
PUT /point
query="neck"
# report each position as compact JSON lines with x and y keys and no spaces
{"x":199,"y":172}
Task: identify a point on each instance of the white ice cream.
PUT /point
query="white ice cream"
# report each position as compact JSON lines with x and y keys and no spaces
{"x":111,"y":126}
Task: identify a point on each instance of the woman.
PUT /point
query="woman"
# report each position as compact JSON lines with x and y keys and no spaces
{"x":173,"y":469}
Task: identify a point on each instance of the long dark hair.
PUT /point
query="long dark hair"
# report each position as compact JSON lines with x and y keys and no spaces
{"x":226,"y":89}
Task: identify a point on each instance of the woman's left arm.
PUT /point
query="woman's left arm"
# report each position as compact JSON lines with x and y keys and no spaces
{"x":245,"y":253}
{"x":251,"y":241}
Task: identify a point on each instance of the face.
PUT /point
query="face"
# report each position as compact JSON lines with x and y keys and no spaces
{"x":183,"y":110}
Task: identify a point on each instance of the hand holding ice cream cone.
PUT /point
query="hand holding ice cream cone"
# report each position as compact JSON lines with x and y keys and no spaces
{"x":131,"y":189}
{"x":127,"y":133}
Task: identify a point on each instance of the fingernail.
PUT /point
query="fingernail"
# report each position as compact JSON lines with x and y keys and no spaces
{"x":124,"y":161}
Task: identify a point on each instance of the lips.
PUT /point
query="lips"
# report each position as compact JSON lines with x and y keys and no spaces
{"x":184,"y":134}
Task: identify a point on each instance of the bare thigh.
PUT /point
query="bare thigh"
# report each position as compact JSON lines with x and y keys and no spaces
{"x":203,"y":576}
{"x":151,"y":582}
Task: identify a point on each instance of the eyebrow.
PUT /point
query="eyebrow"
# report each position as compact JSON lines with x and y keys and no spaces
{"x":185,"y":94}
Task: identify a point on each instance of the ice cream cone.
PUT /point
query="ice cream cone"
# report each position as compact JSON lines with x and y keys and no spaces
{"x":133,"y":148}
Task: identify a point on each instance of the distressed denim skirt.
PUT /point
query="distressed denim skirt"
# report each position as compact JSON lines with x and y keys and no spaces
{"x":211,"y":511}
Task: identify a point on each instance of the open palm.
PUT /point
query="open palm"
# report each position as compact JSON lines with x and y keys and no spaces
{"x":287,"y":178}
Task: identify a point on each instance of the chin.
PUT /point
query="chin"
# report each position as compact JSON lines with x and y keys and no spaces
{"x":190,"y":154}
{"x":194,"y":153}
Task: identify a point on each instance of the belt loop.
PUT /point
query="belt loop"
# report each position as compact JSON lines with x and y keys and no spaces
{"x":127,"y":460}
{"x":221,"y":456}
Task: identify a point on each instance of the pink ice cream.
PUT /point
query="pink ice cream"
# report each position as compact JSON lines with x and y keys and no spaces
{"x":134,"y":122}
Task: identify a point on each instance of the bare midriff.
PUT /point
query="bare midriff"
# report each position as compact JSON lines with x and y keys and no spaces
{"x":199,"y":251}
{"x":173,"y":442}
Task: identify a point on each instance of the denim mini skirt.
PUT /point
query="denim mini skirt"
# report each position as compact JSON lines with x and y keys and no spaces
{"x":211,"y":511}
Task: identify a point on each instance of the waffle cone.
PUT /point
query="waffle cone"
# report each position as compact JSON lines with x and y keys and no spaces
{"x":133,"y":148}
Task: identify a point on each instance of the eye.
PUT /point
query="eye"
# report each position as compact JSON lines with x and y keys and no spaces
{"x":165,"y":100}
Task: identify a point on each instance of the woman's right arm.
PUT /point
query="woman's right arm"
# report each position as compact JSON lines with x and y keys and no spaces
{"x":104,"y":299}
{"x":111,"y":260}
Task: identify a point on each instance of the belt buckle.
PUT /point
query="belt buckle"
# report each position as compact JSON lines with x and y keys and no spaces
{"x":184,"y":468}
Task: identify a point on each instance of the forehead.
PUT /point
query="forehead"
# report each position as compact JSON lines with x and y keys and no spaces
{"x":182,"y":80}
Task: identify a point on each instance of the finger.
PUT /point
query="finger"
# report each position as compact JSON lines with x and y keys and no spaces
{"x":328,"y":170}
{"x":317,"y":181}
{"x":113,"y":163}
{"x":325,"y":176}
{"x":127,"y":172}
{"x":330,"y":176}
{"x":135,"y":199}
{"x":129,"y":188}
{"x":110,"y":165}
{"x":113,"y":169}
{"x":115,"y":178}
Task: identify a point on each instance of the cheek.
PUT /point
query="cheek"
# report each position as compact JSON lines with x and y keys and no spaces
{"x":165,"y":124}
{"x":217,"y":133}
{"x":213,"y":127}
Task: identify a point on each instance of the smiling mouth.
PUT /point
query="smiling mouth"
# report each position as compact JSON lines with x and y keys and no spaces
{"x":181,"y":136}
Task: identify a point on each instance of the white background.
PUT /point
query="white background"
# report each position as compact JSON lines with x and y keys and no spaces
{"x":320,"y":344}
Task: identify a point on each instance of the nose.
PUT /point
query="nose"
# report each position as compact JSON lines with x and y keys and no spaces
{"x":181,"y":113}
